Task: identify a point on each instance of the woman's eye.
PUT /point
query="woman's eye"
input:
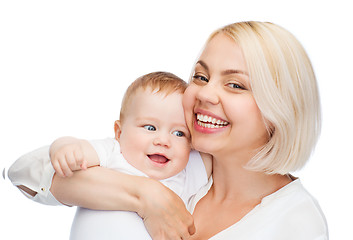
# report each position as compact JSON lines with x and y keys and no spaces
{"x":150,"y":127}
{"x":200,"y":78}
{"x":178,"y":133}
{"x":235,"y":86}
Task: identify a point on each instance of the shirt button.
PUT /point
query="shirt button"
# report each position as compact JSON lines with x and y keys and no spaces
{"x":42,"y":189}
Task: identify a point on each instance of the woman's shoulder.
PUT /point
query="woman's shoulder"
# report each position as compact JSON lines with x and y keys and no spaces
{"x":289,"y":213}
{"x":297,"y":209}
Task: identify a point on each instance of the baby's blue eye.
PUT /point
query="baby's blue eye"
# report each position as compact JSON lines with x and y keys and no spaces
{"x":150,"y":127}
{"x":179,"y":133}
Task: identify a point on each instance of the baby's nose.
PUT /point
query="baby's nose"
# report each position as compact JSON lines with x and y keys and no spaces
{"x":162,"y":139}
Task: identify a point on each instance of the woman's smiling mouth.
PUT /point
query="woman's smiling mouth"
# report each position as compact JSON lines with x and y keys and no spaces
{"x":206,"y":121}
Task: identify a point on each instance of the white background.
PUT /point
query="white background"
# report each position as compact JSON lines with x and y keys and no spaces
{"x":64,"y":66}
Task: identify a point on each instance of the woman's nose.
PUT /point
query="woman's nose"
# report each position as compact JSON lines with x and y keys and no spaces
{"x":208,"y":94}
{"x":162,"y":139}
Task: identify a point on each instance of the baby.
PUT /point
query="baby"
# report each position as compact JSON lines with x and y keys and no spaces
{"x":151,"y":139}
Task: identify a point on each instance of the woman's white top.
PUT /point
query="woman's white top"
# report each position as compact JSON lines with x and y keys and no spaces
{"x":290,"y":213}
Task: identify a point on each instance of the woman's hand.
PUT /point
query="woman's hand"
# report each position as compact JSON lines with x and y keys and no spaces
{"x":163,"y":212}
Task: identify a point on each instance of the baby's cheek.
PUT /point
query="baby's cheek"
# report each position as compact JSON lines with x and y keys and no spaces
{"x":188,"y":99}
{"x":187,"y":151}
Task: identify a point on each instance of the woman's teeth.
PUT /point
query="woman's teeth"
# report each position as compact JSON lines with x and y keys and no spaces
{"x":210,"y":122}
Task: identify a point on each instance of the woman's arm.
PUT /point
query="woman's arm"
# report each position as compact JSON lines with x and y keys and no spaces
{"x":163,"y":212}
{"x":98,"y":188}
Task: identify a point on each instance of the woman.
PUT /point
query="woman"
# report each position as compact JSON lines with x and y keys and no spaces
{"x":257,"y":80}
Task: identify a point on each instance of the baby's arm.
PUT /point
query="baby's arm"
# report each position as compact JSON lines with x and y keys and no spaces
{"x":70,"y":154}
{"x":207,"y":161}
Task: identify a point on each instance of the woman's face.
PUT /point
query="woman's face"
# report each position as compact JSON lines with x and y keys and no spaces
{"x":219,"y":106}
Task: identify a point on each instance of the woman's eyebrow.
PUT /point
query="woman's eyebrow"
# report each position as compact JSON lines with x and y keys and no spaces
{"x":225,"y":72}
{"x":203,"y":64}
{"x":234,"y":71}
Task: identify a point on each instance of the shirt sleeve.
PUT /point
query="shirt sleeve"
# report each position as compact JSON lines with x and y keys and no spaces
{"x":105,"y":149}
{"x":34,"y":171}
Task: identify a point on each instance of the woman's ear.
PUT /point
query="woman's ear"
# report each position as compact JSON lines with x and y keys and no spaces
{"x":117,"y":130}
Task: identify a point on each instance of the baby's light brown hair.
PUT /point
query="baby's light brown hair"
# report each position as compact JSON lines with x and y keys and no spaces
{"x":157,"y":82}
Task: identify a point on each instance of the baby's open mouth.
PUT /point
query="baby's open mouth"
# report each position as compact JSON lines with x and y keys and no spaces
{"x":158,"y":158}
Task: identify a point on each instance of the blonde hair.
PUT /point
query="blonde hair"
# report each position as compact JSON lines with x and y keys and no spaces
{"x":285,"y":90}
{"x":157,"y":82}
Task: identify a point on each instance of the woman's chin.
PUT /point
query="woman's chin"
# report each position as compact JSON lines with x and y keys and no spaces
{"x":203,"y":145}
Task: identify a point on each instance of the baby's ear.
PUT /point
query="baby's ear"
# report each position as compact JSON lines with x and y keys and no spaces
{"x":117,"y":130}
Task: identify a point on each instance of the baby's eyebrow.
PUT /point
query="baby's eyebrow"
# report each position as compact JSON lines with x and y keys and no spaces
{"x":180,"y":125}
{"x":147,"y":118}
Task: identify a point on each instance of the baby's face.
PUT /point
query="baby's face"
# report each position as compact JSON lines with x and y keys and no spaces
{"x":154,"y":137}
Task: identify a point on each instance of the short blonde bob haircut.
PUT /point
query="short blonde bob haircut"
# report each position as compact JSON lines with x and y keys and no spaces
{"x":157,"y":82}
{"x":285,"y":89}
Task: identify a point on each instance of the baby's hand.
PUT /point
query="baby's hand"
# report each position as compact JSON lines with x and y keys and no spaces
{"x":66,"y":156}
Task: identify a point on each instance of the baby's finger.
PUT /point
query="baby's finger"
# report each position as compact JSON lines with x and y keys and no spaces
{"x":66,"y":169}
{"x":79,"y":157}
{"x":71,"y":161}
{"x":58,"y":169}
{"x":84,"y":165}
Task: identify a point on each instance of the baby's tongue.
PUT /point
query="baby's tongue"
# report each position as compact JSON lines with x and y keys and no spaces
{"x":158,"y":158}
